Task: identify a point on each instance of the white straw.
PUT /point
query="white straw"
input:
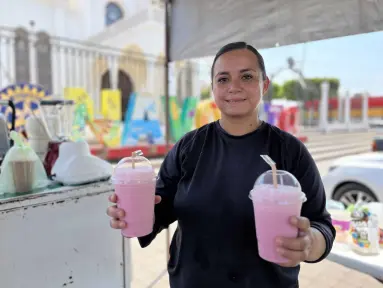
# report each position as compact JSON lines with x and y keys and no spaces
{"x":273,"y":166}
{"x":134,"y":154}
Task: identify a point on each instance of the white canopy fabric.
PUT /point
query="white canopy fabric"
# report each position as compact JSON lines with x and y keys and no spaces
{"x":200,"y":27}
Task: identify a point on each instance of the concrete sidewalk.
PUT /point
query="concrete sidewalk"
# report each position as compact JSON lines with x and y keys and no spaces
{"x":328,"y":274}
{"x":150,"y":263}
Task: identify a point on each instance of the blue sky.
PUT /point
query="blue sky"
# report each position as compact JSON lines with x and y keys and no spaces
{"x":356,"y":60}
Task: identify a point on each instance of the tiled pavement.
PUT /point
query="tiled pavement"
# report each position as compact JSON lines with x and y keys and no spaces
{"x":150,"y":262}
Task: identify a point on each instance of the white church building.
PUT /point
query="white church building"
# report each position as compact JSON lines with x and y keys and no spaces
{"x":93,"y":44}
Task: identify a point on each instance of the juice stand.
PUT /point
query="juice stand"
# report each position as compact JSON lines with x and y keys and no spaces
{"x":60,"y":237}
{"x":56,"y":235}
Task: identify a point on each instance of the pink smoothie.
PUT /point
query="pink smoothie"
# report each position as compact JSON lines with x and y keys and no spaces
{"x":272,"y":211}
{"x":135,"y":190}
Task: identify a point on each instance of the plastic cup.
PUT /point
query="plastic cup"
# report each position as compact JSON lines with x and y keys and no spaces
{"x":273,"y":208}
{"x":23,"y":175}
{"x":134,"y":183}
{"x":341,"y":220}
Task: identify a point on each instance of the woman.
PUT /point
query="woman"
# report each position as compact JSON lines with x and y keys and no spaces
{"x":205,"y":180}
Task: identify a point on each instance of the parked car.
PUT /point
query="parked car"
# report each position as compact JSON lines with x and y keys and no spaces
{"x":354,"y":178}
{"x":377,"y":144}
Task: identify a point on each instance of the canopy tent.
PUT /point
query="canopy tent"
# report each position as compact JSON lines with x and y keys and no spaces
{"x":198,"y":28}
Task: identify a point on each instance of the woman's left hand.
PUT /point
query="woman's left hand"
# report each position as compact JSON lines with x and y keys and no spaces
{"x":297,"y":249}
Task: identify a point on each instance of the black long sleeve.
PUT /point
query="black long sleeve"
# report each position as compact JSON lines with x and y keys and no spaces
{"x":314,"y":208}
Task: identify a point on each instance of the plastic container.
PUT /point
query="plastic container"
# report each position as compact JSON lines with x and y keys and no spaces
{"x":341,"y":220}
{"x":134,"y":183}
{"x":273,"y":207}
{"x":59,"y":115}
{"x":377,"y":209}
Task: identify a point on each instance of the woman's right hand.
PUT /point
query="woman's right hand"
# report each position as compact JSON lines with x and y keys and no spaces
{"x":118,"y":214}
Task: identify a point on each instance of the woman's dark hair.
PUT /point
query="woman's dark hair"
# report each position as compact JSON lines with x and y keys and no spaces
{"x":238,"y":46}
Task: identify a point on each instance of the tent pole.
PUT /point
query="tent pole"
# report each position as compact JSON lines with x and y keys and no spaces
{"x":167,"y":104}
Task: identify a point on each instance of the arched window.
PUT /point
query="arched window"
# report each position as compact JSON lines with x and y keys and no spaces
{"x":113,"y":13}
{"x":125,"y":85}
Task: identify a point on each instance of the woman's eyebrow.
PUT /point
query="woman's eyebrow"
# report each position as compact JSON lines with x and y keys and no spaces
{"x":222,"y":73}
{"x":248,"y":70}
{"x":241,"y":71}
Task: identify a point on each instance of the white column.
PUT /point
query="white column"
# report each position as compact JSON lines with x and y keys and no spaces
{"x":365,"y":110}
{"x":113,"y":69}
{"x":347,"y":110}
{"x":323,"y":111}
{"x":340,"y":109}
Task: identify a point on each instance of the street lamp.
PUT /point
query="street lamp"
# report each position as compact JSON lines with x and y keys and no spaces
{"x":290,"y":66}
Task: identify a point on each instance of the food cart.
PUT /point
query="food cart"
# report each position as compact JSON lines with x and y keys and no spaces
{"x":60,"y":237}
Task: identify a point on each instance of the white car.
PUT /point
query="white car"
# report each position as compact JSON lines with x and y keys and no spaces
{"x":354,"y":178}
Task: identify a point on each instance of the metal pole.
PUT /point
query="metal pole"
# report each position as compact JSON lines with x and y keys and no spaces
{"x":167,"y":108}
{"x":125,"y":282}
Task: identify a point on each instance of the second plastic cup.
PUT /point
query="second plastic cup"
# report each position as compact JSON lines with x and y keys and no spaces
{"x":134,"y":183}
{"x":273,"y":207}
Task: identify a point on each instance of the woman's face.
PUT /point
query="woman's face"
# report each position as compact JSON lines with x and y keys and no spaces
{"x":238,"y":86}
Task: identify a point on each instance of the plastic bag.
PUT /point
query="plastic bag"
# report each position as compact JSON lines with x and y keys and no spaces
{"x":21,"y":171}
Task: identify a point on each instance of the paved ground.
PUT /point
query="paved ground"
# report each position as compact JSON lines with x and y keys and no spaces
{"x":150,"y":263}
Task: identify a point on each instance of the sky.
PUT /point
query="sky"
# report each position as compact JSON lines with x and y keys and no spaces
{"x":357,"y":61}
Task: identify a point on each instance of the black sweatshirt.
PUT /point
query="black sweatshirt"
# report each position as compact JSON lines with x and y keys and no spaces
{"x":205,"y":182}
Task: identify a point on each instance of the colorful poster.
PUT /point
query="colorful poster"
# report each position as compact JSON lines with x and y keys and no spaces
{"x":206,"y":112}
{"x":111,"y":104}
{"x":188,"y":114}
{"x":79,"y":122}
{"x":107,"y":129}
{"x":142,"y":125}
{"x":175,"y":120}
{"x":181,"y":118}
{"x":107,"y":132}
{"x":26,"y":98}
{"x":80,"y":96}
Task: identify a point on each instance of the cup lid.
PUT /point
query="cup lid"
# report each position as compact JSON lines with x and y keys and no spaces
{"x":136,"y":161}
{"x":287,"y":190}
{"x":283,"y":178}
{"x":132,"y":169}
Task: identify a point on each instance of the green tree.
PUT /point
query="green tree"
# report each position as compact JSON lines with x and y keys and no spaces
{"x":293,"y":90}
{"x":205,"y":93}
{"x":275,"y":91}
{"x":334,"y":85}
